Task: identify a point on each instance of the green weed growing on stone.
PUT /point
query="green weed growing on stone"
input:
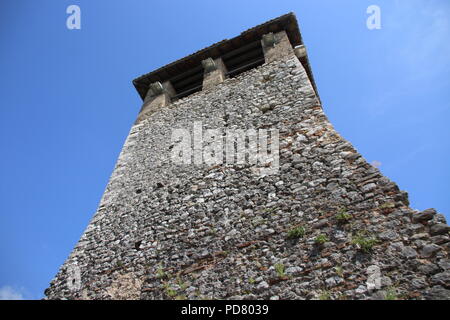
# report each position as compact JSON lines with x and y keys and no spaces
{"x":321,"y":239}
{"x":364,"y":242}
{"x":339,"y":271}
{"x":183,"y":285}
{"x":280,"y":270}
{"x":343,"y":216}
{"x":387,"y":205}
{"x":269,"y":210}
{"x":295,"y":233}
{"x":324,"y":295}
{"x":119,"y":264}
{"x":171,"y":292}
{"x":160,"y":272}
{"x":391,"y":294}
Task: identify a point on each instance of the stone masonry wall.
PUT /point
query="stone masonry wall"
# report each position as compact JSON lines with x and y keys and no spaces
{"x":327,"y":226}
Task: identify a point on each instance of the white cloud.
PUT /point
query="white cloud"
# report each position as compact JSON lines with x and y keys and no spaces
{"x":376,"y":163}
{"x":9,"y":293}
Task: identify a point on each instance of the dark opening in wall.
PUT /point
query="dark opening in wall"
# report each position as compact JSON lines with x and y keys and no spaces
{"x":236,"y":61}
{"x":244,"y":58}
{"x":137,"y":245}
{"x":188,"y":82}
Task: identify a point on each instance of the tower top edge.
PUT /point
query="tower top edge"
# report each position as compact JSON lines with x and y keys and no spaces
{"x":287,"y":22}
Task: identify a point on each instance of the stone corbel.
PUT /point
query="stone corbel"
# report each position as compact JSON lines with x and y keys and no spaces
{"x":214,"y":72}
{"x":158,"y":96}
{"x":155,"y":89}
{"x":209,"y":65}
{"x":268,"y":40}
{"x":276,"y":46}
{"x":300,"y":51}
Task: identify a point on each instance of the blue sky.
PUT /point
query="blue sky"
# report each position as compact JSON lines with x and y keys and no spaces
{"x":67,"y":101}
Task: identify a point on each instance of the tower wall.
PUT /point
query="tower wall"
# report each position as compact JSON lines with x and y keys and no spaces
{"x":195,"y":231}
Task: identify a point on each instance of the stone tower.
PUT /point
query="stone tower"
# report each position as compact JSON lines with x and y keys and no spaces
{"x":313,"y":220}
